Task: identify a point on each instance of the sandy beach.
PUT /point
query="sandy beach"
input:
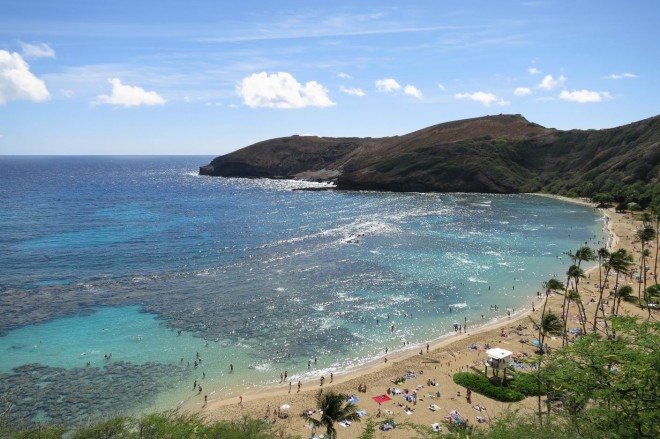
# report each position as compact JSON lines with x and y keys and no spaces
{"x":436,"y":362}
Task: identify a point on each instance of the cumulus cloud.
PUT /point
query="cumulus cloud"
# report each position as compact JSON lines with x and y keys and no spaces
{"x":282,"y":90}
{"x":411,"y":90}
{"x":522,"y":91}
{"x":41,"y":50}
{"x":548,"y":82}
{"x":17,"y":82}
{"x":353,"y":91}
{"x":387,"y":85}
{"x":479,"y":96}
{"x":344,"y":75}
{"x":484,"y":98}
{"x":621,"y":76}
{"x":129,"y":95}
{"x":533,"y":71}
{"x":584,"y":96}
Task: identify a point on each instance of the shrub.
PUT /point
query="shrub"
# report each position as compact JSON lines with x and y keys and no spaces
{"x":482,"y":385}
{"x":527,"y":384}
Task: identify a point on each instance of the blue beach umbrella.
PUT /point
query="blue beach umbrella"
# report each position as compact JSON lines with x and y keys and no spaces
{"x":536,"y":343}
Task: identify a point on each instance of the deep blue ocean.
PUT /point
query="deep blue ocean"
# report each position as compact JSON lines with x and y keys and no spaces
{"x":124,"y":280}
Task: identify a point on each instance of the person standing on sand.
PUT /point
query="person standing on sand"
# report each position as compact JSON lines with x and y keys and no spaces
{"x":289,"y":386}
{"x":331,"y":377}
{"x":299,"y":385}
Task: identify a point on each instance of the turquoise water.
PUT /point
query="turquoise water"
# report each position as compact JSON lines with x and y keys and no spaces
{"x":142,"y":258}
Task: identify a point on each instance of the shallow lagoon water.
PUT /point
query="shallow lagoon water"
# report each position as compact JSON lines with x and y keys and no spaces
{"x":117,"y":255}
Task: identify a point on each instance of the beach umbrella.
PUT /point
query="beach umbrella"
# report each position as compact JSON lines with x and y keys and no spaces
{"x":285,"y":407}
{"x":536,"y":343}
{"x":434,"y":407}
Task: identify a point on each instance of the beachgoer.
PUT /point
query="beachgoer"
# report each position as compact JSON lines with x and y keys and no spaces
{"x":231,"y":367}
{"x":206,"y":399}
{"x":290,"y":386}
{"x":299,"y":385}
{"x":331,"y":376}
{"x":240,"y":400}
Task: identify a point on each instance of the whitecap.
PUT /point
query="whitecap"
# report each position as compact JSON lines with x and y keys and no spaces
{"x":459,"y":305}
{"x":474,"y":279}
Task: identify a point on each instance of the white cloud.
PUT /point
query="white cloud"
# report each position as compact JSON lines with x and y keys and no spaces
{"x":584,"y":96}
{"x":411,"y":90}
{"x":503,"y":103}
{"x":281,"y":90}
{"x":41,"y":50}
{"x":129,"y":96}
{"x":387,"y":85}
{"x":522,"y":91}
{"x":621,"y":76}
{"x":353,"y":91}
{"x":441,"y":87}
{"x":17,"y":82}
{"x":548,"y":82}
{"x":344,"y":75}
{"x":479,"y":96}
{"x":533,"y":71}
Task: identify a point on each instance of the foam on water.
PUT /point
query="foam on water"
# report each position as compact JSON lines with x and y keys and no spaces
{"x":253,"y":274}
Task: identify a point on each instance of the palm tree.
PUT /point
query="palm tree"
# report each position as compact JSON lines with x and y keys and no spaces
{"x":550,"y":285}
{"x":574,"y":296}
{"x":624,"y":292}
{"x":582,"y":254}
{"x":657,"y":242}
{"x":603,"y":263}
{"x":550,"y":324}
{"x":646,"y":234}
{"x":574,"y":273}
{"x":333,"y":408}
{"x":621,"y":262}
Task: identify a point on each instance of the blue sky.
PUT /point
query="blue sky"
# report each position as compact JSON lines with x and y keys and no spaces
{"x":209,"y":77}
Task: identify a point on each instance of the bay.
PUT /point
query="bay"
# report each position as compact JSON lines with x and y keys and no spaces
{"x":142,"y":258}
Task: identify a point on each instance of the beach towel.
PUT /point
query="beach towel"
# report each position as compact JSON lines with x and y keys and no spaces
{"x":381,"y":399}
{"x":436,"y":426}
{"x":353,"y":399}
{"x":362,"y":413}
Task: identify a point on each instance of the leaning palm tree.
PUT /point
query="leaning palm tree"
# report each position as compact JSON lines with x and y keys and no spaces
{"x":574,"y":296}
{"x":333,"y":408}
{"x":550,"y":285}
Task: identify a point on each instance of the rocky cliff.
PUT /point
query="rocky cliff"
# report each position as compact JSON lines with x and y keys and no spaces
{"x":497,"y":154}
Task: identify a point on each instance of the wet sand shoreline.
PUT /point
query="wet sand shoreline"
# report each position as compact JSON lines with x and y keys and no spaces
{"x":445,"y":356}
